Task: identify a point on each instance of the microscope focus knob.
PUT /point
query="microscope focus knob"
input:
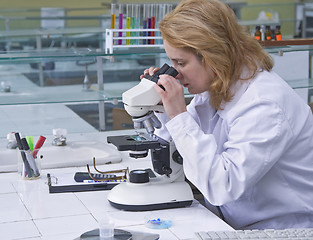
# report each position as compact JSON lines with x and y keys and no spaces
{"x":167,"y":170}
{"x":177,"y":157}
{"x":139,"y":176}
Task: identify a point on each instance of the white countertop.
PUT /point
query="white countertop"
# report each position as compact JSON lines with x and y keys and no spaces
{"x":29,"y":211}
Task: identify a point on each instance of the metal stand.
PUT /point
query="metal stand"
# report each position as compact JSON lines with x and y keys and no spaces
{"x":118,"y":235}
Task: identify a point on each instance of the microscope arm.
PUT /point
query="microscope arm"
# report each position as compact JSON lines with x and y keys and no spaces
{"x":143,"y":98}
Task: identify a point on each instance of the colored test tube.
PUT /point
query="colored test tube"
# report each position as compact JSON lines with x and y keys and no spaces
{"x":133,"y":22}
{"x":157,"y":20}
{"x":153,"y":19}
{"x":137,"y":24}
{"x":113,"y":8}
{"x":145,"y":22}
{"x":160,"y":15}
{"x":120,"y":23}
{"x":128,"y":22}
{"x":149,"y":21}
{"x":169,"y":8}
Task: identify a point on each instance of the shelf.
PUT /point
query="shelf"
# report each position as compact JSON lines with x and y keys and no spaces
{"x":121,"y":71}
{"x":290,"y":42}
{"x":291,"y":45}
{"x":301,"y":83}
{"x":66,"y":94}
{"x":56,"y":75}
{"x":60,"y":54}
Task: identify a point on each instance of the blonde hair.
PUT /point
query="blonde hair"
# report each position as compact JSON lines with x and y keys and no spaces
{"x":209,"y":29}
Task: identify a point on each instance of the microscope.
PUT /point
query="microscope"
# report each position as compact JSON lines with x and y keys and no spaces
{"x":164,"y":187}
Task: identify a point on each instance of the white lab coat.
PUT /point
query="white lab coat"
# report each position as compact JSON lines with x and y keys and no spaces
{"x":254,"y":158}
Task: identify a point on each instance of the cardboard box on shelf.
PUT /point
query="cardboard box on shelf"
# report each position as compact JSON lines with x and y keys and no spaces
{"x":121,"y":119}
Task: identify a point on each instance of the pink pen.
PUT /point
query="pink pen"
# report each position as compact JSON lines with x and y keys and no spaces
{"x":38,"y":145}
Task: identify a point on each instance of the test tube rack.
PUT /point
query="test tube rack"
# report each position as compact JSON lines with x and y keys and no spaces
{"x":112,"y":38}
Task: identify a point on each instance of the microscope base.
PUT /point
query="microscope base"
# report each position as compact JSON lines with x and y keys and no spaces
{"x":150,"y":196}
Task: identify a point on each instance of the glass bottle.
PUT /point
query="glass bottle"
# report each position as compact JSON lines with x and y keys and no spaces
{"x":278,"y":33}
{"x":268,"y":33}
{"x":257,"y":34}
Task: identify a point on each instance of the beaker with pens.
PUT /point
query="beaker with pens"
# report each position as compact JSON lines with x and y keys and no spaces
{"x":28,"y":167}
{"x":28,"y":160}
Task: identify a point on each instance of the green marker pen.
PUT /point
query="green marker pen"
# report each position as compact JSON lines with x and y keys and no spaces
{"x":30,"y":142}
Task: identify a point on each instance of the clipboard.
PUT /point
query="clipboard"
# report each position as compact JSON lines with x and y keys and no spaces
{"x":68,"y":185}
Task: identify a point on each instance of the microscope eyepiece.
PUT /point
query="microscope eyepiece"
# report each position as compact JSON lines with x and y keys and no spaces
{"x":172,"y":72}
{"x":165,"y":69}
{"x":162,"y":70}
{"x":155,"y":76}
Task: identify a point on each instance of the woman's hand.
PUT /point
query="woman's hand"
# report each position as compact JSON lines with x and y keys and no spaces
{"x":173,"y":98}
{"x":150,"y":71}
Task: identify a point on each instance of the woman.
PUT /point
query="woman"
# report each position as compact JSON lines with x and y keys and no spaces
{"x":246,"y":138}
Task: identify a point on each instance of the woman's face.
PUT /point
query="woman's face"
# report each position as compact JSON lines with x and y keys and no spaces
{"x":192,"y":74}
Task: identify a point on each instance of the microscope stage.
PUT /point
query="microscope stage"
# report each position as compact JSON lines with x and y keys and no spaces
{"x":135,"y":142}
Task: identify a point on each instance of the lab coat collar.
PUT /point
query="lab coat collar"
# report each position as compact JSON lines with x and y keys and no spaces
{"x":205,"y":97}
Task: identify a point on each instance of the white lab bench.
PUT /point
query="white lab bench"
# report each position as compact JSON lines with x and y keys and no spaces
{"x":29,"y":211}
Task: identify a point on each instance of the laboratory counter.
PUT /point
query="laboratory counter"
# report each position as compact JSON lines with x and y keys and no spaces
{"x":29,"y":211}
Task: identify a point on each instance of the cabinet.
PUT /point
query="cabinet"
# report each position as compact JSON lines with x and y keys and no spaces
{"x":305,"y":17}
{"x":293,"y":62}
{"x":294,"y":68}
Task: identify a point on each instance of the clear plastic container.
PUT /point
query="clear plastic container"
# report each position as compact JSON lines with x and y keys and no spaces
{"x":28,"y":167}
{"x":106,"y":228}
